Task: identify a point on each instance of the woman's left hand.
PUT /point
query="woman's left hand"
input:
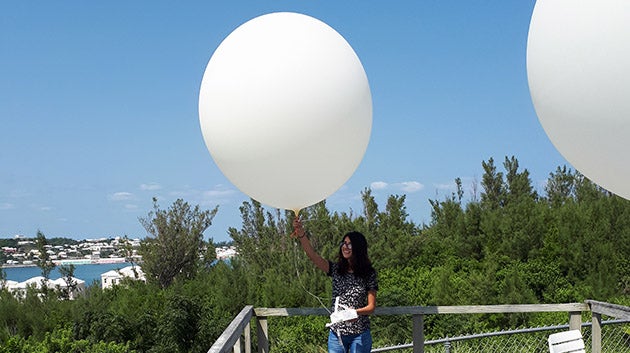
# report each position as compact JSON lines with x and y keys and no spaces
{"x":298,"y":229}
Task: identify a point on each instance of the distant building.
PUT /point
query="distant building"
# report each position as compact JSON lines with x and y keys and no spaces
{"x":226,"y":252}
{"x":19,"y":288}
{"x":114,"y":277}
{"x":9,"y":250}
{"x":8,"y":284}
{"x":60,"y":283}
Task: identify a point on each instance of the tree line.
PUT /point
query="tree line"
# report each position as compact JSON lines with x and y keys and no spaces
{"x":507,"y":245}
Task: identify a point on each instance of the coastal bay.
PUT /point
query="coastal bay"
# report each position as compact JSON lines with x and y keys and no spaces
{"x":87,"y":272}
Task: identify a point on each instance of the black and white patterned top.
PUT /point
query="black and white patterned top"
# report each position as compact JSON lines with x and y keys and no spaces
{"x":353,"y":292}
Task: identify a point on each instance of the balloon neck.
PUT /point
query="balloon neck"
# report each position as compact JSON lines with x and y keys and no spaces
{"x":297,"y":212}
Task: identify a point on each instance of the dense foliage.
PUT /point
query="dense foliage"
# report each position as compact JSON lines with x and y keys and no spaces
{"x":175,"y":245}
{"x":509,"y":244}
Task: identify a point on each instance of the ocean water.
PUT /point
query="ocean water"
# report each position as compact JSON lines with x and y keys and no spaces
{"x":89,"y":273}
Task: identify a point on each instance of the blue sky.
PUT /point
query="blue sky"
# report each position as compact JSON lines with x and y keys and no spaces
{"x":99,"y":106}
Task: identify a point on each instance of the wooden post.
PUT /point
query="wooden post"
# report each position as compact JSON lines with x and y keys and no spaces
{"x":596,"y":333}
{"x":263,"y":334}
{"x":575,"y":320}
{"x":248,"y":338}
{"x":418,"y":333}
{"x":237,"y":346}
{"x":230,"y":339}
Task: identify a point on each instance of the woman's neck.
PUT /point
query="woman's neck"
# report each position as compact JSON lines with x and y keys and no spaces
{"x":350,"y":266}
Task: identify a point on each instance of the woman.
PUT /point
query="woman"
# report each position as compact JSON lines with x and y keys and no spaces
{"x":354,"y":282}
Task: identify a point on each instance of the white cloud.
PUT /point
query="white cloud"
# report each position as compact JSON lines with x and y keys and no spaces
{"x":217,"y":193}
{"x":150,"y":186}
{"x":121,"y":196}
{"x":131,"y":207}
{"x":378,"y":185}
{"x":406,"y":186}
{"x":45,"y":208}
{"x":411,"y":186}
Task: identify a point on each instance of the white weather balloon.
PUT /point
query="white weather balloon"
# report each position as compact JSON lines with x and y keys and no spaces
{"x":578,"y":66}
{"x":285,"y":109}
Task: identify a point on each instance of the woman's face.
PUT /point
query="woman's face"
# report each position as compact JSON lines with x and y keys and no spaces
{"x":346,"y":248}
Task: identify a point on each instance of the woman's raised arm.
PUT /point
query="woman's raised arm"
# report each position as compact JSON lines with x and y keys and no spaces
{"x":299,"y":233}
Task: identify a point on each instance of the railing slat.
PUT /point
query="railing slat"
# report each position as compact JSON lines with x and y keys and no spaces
{"x":596,"y":333}
{"x":575,"y":320}
{"x":418,"y":334}
{"x":263,"y":334}
{"x":248,"y":339}
{"x":424,"y":310}
{"x":614,"y":310}
{"x":291,"y":311}
{"x":232,"y":333}
{"x":480,"y":309}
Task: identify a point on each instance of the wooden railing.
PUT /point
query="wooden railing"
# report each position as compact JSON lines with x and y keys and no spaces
{"x":230,"y":340}
{"x":597,"y":310}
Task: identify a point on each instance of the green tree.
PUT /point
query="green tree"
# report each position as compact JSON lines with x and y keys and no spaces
{"x":272,"y":259}
{"x":394,"y":239}
{"x":493,"y":195}
{"x":179,"y":323}
{"x":560,"y":187}
{"x":209,"y":254}
{"x":44,"y":262}
{"x":175,"y":246}
{"x":67,"y":273}
{"x":128,"y":252}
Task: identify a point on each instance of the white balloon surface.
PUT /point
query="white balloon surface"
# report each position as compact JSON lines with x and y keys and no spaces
{"x":578,"y":66}
{"x":285,"y":109}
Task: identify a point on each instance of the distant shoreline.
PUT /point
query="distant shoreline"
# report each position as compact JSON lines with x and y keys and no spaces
{"x":17,"y":266}
{"x":106,"y":261}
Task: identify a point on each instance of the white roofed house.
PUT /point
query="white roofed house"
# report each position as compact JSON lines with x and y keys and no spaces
{"x":19,"y":288}
{"x":226,"y":252}
{"x":114,"y":277}
{"x":37,"y":282}
{"x":8,"y":284}
{"x":62,"y":285}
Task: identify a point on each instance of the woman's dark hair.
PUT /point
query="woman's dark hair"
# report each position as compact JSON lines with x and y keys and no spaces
{"x":362,"y":265}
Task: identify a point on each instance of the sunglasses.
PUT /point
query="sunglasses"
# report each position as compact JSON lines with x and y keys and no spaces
{"x":348,"y":245}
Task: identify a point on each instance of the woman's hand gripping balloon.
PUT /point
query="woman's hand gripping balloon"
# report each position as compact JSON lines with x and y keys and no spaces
{"x":298,"y":229}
